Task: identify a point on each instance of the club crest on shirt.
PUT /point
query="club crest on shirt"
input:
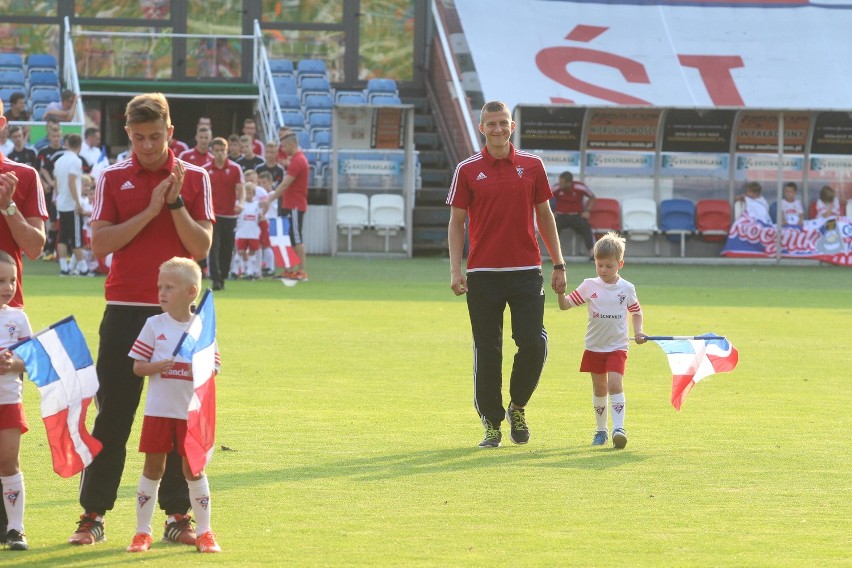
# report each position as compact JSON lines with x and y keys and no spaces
{"x":12,"y":330}
{"x":621,"y":298}
{"x":520,"y":171}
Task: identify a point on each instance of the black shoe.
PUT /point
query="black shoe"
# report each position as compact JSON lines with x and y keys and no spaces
{"x":16,"y":540}
{"x":3,"y":533}
{"x":217,"y":285}
{"x":492,"y":436}
{"x":519,"y":433}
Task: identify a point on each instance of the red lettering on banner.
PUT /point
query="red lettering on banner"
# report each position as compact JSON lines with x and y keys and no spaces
{"x":715,"y":71}
{"x":554,"y":61}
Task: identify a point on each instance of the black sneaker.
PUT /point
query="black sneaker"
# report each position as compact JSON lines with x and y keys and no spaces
{"x":619,"y":438}
{"x":180,"y":530}
{"x":492,"y":436}
{"x":518,"y":433}
{"x":89,"y":530}
{"x":16,"y":540}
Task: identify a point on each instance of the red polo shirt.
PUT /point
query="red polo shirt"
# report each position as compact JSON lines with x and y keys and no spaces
{"x":29,"y":198}
{"x":123,"y":191}
{"x":500,"y":196}
{"x":572,"y":200}
{"x":224,"y":182}
{"x":296,"y":194}
{"x":196,"y":158}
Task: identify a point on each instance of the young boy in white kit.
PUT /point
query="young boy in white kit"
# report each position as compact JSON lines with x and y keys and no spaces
{"x":610,"y":299}
{"x":167,"y":401}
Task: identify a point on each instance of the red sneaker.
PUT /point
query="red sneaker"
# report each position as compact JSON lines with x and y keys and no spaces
{"x":207,"y":543}
{"x":140,"y":543}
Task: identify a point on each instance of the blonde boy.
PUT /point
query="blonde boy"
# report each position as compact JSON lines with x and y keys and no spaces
{"x":169,"y":393}
{"x":610,"y":299}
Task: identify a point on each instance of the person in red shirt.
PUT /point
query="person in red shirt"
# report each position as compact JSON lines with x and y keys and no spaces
{"x":199,"y":156}
{"x":293,"y":191}
{"x":147,"y":209}
{"x":226,"y":179}
{"x":574,"y":202}
{"x":23,"y":212}
{"x":250,"y":130}
{"x":498,"y":193}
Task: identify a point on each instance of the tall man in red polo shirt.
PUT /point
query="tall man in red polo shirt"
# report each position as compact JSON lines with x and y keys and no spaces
{"x":294,"y":203}
{"x":23,"y":212}
{"x":199,"y":155}
{"x":147,"y":209}
{"x":499,"y":192}
{"x":574,"y":201}
{"x":226,"y":179}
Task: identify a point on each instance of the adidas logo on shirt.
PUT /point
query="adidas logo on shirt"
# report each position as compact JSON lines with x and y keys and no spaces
{"x":595,"y":295}
{"x":161,"y":337}
{"x":127,"y":185}
{"x":481,"y":176}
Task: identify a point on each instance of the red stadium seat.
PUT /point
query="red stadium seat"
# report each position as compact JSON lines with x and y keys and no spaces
{"x":605,"y":216}
{"x":713,"y":219}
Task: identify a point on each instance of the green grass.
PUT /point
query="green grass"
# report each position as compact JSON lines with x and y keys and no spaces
{"x":347,"y":402}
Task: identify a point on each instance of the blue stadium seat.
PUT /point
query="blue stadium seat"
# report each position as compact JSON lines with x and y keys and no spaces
{"x":11,"y":61}
{"x":313,"y":103}
{"x":677,"y":220}
{"x":304,"y":139}
{"x":289,"y":101}
{"x":6,"y":94}
{"x":285,"y":86}
{"x":320,"y":120}
{"x":41,"y":61}
{"x":311,"y":68}
{"x":350,"y":97}
{"x":294,"y":119}
{"x":384,"y":99}
{"x":45,"y":95}
{"x":39,"y":110}
{"x":281,"y":67}
{"x":314,"y":86}
{"x":12,"y":78}
{"x":381,"y":86}
{"x":323,"y":140}
{"x":43,"y":79}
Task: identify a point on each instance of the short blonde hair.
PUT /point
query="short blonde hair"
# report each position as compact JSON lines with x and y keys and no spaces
{"x":611,"y":245}
{"x":148,"y":107}
{"x":186,"y":268}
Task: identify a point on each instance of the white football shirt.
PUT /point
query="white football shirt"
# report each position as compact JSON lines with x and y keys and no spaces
{"x":14,"y":326}
{"x":608,"y":307}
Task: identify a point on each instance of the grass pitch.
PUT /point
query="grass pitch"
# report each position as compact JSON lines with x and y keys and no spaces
{"x":346,"y":407}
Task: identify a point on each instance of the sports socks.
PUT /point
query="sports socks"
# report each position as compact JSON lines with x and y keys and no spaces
{"x":599,"y":402}
{"x":146,"y":501}
{"x":13,"y":500}
{"x":199,"y":496}
{"x":616,"y":403}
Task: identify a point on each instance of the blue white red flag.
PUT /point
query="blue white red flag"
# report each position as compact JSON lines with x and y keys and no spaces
{"x":279,"y":237}
{"x":59,"y":363}
{"x":198,"y":344}
{"x":694,"y":359}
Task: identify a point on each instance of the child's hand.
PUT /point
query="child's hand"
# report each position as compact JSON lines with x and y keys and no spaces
{"x":166,"y":365}
{"x":641,"y":338}
{"x":6,"y":358}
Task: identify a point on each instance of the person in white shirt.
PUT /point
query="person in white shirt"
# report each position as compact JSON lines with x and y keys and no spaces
{"x":68,"y":173}
{"x":756,"y":206}
{"x":610,"y":299}
{"x":792,"y":209}
{"x":828,"y":205}
{"x":92,"y":151}
{"x":247,"y":235}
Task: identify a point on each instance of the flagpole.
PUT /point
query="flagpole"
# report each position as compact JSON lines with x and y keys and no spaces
{"x":207,"y":293}
{"x":673,"y":337}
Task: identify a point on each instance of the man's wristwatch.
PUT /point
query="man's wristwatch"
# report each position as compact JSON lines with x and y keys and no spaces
{"x":558,"y":267}
{"x":178,"y":203}
{"x":11,"y":210}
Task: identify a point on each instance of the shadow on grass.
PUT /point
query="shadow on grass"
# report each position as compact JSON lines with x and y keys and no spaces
{"x":96,"y":555}
{"x":431,"y":462}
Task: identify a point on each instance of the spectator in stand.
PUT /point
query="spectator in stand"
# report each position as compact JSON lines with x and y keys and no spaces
{"x":199,"y":155}
{"x":22,"y":153}
{"x":17,"y":108}
{"x":792,"y":209}
{"x":294,"y":203}
{"x":47,"y":156}
{"x":250,"y":130}
{"x":828,"y":204}
{"x":756,"y":205}
{"x":92,"y":151}
{"x":574,"y":201}
{"x":234,"y":152}
{"x":68,"y":172}
{"x":64,"y":110}
{"x":249,"y":160}
{"x":226,"y":182}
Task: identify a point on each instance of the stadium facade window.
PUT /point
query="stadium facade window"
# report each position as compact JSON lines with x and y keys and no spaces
{"x":126,"y":9}
{"x":125,"y":57}
{"x":387,"y":39}
{"x":29,"y":7}
{"x":302,"y":11}
{"x":329,"y":46}
{"x":30,"y":38}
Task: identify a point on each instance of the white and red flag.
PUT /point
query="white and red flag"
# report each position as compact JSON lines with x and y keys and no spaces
{"x":279,"y":238}
{"x":694,"y":358}
{"x":59,"y":363}
{"x":198,"y":345}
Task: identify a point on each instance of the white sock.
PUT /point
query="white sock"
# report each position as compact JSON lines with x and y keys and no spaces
{"x":616,"y":402}
{"x":13,"y":500}
{"x":251,"y":270}
{"x":146,"y":502}
{"x":63,"y":264}
{"x":599,"y":402}
{"x":199,"y":496}
{"x":269,"y":258}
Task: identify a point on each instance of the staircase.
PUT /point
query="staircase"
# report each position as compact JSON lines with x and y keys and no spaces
{"x":431,"y":214}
